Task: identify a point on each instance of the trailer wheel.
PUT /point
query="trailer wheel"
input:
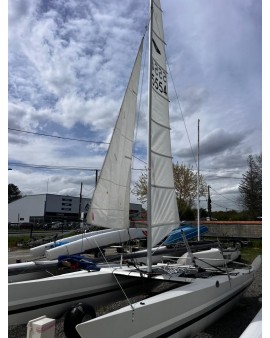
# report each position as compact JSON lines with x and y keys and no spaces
{"x":79,"y":313}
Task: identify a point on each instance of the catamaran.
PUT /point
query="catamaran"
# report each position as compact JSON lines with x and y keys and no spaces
{"x":194,"y":297}
{"x":187,"y":297}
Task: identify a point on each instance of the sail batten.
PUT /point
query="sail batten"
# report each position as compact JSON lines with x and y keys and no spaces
{"x":160,"y":154}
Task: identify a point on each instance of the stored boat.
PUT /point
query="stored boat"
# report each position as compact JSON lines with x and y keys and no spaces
{"x":192,"y":297}
{"x":187,"y":298}
{"x":211,"y":257}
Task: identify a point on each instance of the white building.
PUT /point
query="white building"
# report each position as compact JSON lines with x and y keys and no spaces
{"x":46,"y":208}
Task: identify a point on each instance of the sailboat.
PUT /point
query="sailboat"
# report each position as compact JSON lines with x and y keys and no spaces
{"x":53,"y":296}
{"x":192,"y":297}
{"x":30,"y":297}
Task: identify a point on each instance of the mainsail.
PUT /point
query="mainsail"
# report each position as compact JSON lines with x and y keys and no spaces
{"x":164,"y":210}
{"x":110,"y":202}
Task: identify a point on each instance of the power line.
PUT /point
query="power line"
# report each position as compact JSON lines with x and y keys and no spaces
{"x":54,"y":167}
{"x":59,"y":137}
{"x":14,"y":164}
{"x":223,"y":195}
{"x":221,"y":177}
{"x":224,"y":207}
{"x":65,"y":138}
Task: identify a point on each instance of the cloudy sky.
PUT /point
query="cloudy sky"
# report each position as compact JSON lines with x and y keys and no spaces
{"x":69,"y":62}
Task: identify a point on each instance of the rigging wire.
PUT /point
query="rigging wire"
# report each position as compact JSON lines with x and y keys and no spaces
{"x":180,"y":107}
{"x":140,"y":99}
{"x":196,"y":164}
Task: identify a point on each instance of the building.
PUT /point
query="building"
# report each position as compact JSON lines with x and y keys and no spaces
{"x":47,"y":208}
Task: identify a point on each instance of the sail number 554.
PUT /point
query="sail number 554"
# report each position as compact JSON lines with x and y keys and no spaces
{"x":159,"y":78}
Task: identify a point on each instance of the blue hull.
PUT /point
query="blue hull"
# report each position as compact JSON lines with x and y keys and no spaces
{"x":190,"y":232}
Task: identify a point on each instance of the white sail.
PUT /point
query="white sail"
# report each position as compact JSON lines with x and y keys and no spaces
{"x":110,"y":203}
{"x":164,"y":210}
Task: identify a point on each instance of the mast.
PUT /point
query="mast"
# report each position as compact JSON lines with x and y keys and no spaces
{"x":198,"y":182}
{"x":149,"y":218}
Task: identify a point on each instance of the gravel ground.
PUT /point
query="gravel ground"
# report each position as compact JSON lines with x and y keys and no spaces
{"x":230,"y":325}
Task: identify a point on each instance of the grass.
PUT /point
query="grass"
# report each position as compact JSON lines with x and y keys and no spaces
{"x":24,"y":239}
{"x":250,"y":252}
{"x":12,"y":241}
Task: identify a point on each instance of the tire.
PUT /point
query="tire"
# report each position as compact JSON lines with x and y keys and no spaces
{"x":79,"y":313}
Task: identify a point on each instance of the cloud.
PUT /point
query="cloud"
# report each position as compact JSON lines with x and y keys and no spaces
{"x":70,"y":61}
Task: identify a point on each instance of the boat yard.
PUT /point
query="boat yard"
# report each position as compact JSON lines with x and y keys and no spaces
{"x":170,"y":289}
{"x":231,"y":325}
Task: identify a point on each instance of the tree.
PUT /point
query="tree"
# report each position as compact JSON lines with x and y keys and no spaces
{"x":185,"y":181}
{"x":186,"y":187}
{"x":13,"y":193}
{"x":250,"y":187}
{"x":140,"y":188}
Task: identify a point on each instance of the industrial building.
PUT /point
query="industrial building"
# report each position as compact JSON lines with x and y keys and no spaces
{"x":48,"y":208}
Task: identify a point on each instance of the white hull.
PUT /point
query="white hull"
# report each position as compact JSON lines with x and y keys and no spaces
{"x":39,"y":251}
{"x":19,"y":272}
{"x":31,"y":270}
{"x":99,"y":240}
{"x":54,"y":295}
{"x":181,"y":312}
{"x":212,"y":257}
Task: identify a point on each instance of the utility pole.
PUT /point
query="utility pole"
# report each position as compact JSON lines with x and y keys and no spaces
{"x":209,"y":204}
{"x":80,"y":203}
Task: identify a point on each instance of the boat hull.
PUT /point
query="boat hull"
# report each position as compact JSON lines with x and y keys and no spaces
{"x":18,"y":272}
{"x":190,"y":232}
{"x":212,"y":257}
{"x":97,"y":241}
{"x":39,"y":251}
{"x":181,"y":312}
{"x":54,"y":295}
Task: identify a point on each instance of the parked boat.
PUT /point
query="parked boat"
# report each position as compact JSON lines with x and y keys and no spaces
{"x":187,"y":298}
{"x":195,"y":297}
{"x":211,"y":257}
{"x":52,"y":296}
{"x":190,"y":232}
{"x":39,"y":251}
{"x":97,"y":241}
